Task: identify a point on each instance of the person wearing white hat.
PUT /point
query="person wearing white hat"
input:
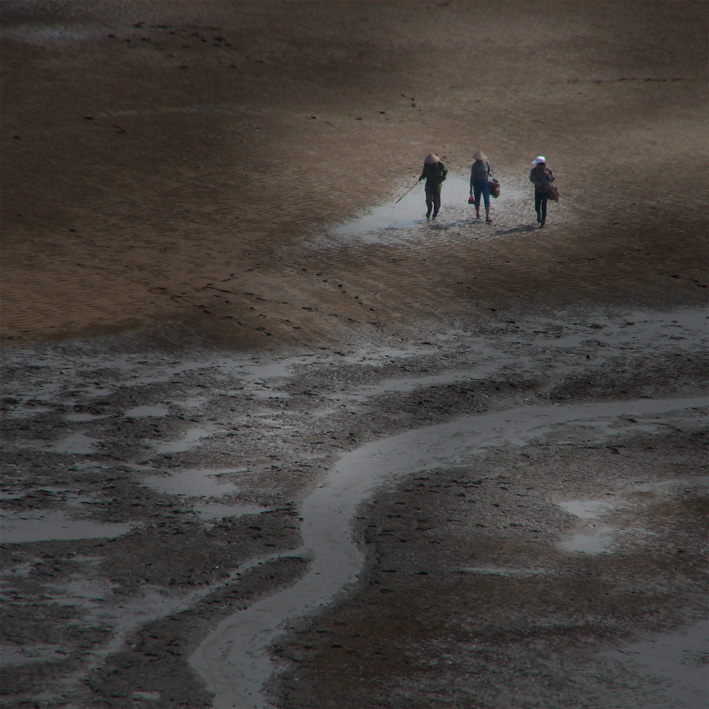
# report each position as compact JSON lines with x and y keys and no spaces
{"x":435,"y":173}
{"x":480,"y":174}
{"x":541,"y":177}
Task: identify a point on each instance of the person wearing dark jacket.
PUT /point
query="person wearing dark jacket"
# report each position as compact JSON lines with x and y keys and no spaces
{"x":541,"y":177}
{"x":434,"y":171}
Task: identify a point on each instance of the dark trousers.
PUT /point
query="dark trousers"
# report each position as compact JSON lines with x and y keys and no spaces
{"x":481,"y":188}
{"x":433,"y":198}
{"x":540,"y":206}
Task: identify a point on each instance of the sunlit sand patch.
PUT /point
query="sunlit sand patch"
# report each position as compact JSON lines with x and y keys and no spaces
{"x":405,"y":220}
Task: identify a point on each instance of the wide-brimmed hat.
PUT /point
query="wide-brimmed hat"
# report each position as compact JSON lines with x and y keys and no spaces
{"x":431,"y":159}
{"x":539,"y":160}
{"x":480,"y":155}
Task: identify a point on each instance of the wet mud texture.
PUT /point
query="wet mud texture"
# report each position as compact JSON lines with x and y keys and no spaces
{"x":193,"y":342}
{"x":188,"y":471}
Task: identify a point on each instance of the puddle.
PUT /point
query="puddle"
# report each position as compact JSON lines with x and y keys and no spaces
{"x":214,"y":510}
{"x":25,"y":411}
{"x":39,"y":34}
{"x":83,"y":418}
{"x":406,"y":219}
{"x":593,"y":538}
{"x":146,"y":411}
{"x":409,"y":212}
{"x":598,"y":538}
{"x":7,"y":495}
{"x":194,"y":483}
{"x":683,"y":484}
{"x":593,"y":541}
{"x":266,"y":394}
{"x":24,"y":527}
{"x":633,"y":330}
{"x":502,"y":571}
{"x":587,"y":509}
{"x":189,"y":440}
{"x":194,"y":402}
{"x":75,"y":444}
{"x":13,"y":656}
{"x":234,"y":659}
{"x":679,"y":658}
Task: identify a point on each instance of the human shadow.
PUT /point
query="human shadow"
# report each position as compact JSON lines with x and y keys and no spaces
{"x":517,"y":230}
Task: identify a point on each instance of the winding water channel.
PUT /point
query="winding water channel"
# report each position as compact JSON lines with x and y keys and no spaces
{"x":234,"y":659}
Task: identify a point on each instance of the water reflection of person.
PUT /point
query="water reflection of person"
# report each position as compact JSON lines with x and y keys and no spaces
{"x":542,"y":177}
{"x":480,"y":174}
{"x":435,"y":173}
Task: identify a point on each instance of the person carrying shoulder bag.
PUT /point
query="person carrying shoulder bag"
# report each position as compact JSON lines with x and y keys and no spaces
{"x":480,"y":174}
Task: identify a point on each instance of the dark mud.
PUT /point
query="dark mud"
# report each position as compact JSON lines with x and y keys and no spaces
{"x":150,"y":496}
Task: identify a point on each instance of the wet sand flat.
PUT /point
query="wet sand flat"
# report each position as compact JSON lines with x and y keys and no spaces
{"x":273,"y":438}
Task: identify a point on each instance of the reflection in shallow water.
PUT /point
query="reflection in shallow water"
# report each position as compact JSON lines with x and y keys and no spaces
{"x":390,"y":220}
{"x":409,"y":212}
{"x":193,"y":483}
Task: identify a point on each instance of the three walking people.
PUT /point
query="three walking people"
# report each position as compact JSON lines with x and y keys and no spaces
{"x":435,"y":171}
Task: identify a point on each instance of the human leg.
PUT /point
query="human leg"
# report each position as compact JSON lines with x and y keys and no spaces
{"x":544,"y":201}
{"x":486,"y":198}
{"x":538,"y":205}
{"x":436,"y":202}
{"x":477,"y":194}
{"x":429,"y":200}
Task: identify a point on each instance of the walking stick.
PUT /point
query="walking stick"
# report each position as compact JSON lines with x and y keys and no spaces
{"x":407,"y":192}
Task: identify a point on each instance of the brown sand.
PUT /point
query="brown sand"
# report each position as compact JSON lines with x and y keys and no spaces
{"x":161,"y":160}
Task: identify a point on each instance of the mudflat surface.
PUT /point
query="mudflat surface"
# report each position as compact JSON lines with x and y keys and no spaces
{"x":273,"y":438}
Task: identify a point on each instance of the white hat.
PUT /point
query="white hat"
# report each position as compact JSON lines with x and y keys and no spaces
{"x":431,"y":159}
{"x":540,"y":159}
